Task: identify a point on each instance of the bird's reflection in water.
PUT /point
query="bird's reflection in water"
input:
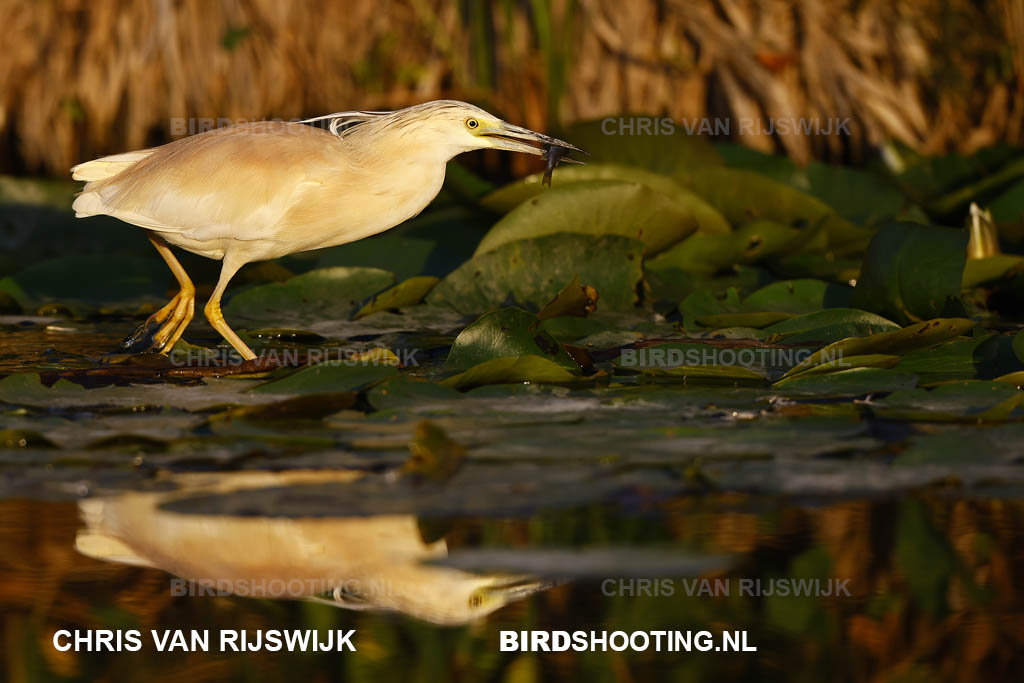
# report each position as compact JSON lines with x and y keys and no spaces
{"x":366,"y":563}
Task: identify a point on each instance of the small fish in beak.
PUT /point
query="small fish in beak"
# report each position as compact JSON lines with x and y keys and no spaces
{"x":553,"y":155}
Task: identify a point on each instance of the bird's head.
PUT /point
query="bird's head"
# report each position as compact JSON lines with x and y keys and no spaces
{"x":456,"y":127}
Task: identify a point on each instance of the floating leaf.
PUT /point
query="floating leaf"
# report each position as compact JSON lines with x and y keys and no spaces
{"x":918,"y":336}
{"x":981,"y":270}
{"x":506,"y":333}
{"x":511,"y":370}
{"x":597,"y":207}
{"x":830,"y":325}
{"x":876,"y":360}
{"x":798,"y":296}
{"x":405,"y":293}
{"x":325,"y":292}
{"x":709,"y":220}
{"x":851,"y":382}
{"x":332,"y":377}
{"x":751,"y":242}
{"x":533,"y":271}
{"x":574,"y":300}
{"x":978,"y":356}
{"x":697,"y":374}
{"x":913,"y":272}
{"x":400,"y":392}
{"x":742,"y":197}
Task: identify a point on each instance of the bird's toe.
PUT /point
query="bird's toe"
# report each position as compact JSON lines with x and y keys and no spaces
{"x":142,"y":339}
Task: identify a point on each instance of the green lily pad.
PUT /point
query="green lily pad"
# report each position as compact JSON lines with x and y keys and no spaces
{"x":753,"y":241}
{"x":980,"y":356}
{"x":716,"y":374}
{"x":798,"y":296}
{"x":403,"y":392}
{"x":913,"y":272}
{"x":982,"y":270}
{"x":332,"y":377}
{"x":506,"y":333}
{"x":709,"y":220}
{"x":830,"y":325}
{"x":528,"y":368}
{"x":919,"y":336}
{"x":597,"y":207}
{"x":743,"y":196}
{"x":876,"y":360}
{"x":851,"y":382}
{"x":706,"y":302}
{"x":325,"y":292}
{"x":533,"y":271}
{"x":406,"y":293}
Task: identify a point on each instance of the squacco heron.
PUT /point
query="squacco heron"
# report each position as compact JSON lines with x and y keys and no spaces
{"x":260,"y":191}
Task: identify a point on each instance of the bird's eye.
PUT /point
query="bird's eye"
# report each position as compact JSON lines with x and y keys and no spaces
{"x":472,"y":123}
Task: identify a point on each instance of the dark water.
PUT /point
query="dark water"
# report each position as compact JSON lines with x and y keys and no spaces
{"x":198,"y":503}
{"x":924,"y":587}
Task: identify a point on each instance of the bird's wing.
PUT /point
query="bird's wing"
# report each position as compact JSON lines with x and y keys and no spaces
{"x":108,"y":167}
{"x":232,"y":182}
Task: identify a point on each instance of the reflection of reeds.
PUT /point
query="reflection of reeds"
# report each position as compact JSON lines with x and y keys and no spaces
{"x":79,"y":80}
{"x":975,"y":635}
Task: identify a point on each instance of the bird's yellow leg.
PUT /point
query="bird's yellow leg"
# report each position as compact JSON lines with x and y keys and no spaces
{"x":181,"y":308}
{"x":174,"y":317}
{"x":216,"y":318}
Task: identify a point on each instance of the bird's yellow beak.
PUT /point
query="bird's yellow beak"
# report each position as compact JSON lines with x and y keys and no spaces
{"x":516,"y":139}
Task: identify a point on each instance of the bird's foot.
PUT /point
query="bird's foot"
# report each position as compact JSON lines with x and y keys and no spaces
{"x":142,"y":339}
{"x":162,"y":330}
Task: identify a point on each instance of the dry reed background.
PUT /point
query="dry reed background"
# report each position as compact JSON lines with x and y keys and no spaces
{"x":81,"y":78}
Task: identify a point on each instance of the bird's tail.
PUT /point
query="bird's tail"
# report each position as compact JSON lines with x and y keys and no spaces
{"x":107,"y":167}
